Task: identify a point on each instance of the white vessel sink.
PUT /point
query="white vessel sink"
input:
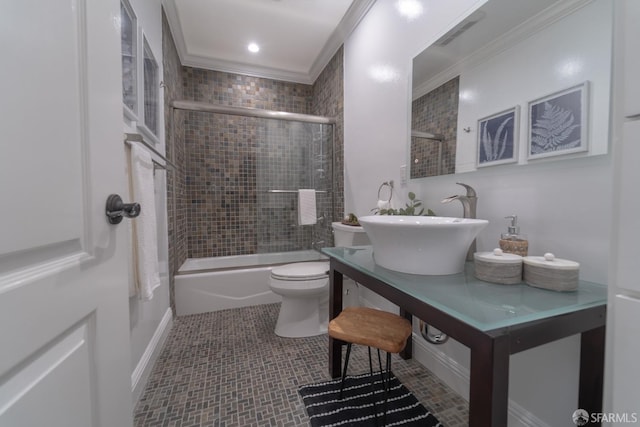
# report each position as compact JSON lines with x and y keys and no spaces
{"x":429,"y":245}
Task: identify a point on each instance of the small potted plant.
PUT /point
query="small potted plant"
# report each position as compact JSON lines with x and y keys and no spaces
{"x":410,"y":208}
{"x":350,"y":219}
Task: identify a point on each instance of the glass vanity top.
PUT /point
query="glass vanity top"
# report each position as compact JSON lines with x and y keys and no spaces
{"x":485,"y":306}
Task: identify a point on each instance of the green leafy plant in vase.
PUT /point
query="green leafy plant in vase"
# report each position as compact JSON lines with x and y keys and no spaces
{"x":411,"y":208}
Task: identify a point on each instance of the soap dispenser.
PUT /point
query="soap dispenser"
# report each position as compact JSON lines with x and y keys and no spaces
{"x":512,"y":241}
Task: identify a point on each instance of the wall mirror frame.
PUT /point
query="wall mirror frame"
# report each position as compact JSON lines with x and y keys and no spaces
{"x":504,"y":55}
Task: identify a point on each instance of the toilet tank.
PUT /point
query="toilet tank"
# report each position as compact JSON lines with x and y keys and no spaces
{"x":349,"y":235}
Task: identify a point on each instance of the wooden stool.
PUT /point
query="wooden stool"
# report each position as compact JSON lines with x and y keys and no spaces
{"x":373,"y":328}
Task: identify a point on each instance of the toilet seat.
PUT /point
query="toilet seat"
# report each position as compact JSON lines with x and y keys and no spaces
{"x":301,"y":271}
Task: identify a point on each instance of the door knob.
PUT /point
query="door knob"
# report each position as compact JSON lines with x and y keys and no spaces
{"x":116,"y":209}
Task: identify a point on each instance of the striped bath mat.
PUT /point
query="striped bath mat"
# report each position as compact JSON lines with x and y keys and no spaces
{"x":325,"y":409}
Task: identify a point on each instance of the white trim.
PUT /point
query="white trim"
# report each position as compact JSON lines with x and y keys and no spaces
{"x":523,"y":417}
{"x":144,"y":51}
{"x":442,"y":365}
{"x":140,"y":374}
{"x":196,"y":61}
{"x":457,"y":377}
{"x":176,"y":29}
{"x":129,"y":114}
{"x":148,"y":134}
{"x":349,"y":22}
{"x":34,"y":266}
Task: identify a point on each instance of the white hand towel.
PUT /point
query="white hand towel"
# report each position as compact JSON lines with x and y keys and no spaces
{"x":133,"y":271}
{"x":307,"y":207}
{"x":145,"y":238}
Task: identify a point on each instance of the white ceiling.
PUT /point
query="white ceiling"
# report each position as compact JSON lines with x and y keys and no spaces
{"x":501,"y":23}
{"x":297,"y":38}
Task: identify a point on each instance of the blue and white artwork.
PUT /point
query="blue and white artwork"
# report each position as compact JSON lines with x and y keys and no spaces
{"x":558,"y":123}
{"x":497,"y":138}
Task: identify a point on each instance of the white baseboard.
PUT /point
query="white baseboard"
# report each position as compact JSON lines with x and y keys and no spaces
{"x":141,"y":373}
{"x":457,"y":377}
{"x":523,"y":418}
{"x":449,"y":370}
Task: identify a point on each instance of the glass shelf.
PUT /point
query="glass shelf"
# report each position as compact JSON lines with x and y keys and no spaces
{"x":485,"y":306}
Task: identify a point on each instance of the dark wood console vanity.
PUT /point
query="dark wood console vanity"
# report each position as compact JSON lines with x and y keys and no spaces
{"x":494,"y":321}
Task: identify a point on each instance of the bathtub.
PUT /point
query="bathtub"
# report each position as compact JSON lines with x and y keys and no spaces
{"x":211,"y":284}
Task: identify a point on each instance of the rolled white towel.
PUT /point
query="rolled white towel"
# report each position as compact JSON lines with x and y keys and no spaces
{"x":383,"y":204}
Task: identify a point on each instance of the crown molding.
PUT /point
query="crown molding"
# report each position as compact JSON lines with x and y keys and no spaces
{"x":171,"y":13}
{"x":197,"y":61}
{"x":349,"y":22}
{"x":509,"y":39}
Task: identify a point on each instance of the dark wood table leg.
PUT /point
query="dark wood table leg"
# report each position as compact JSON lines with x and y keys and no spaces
{"x":335,"y":307}
{"x":407,"y":353}
{"x":489,"y":388}
{"x":592,"y":345}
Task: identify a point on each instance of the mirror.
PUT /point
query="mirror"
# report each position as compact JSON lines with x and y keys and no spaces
{"x":502,"y":62}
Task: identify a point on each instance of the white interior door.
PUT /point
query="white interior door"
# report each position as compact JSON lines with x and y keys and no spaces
{"x":64,"y":336}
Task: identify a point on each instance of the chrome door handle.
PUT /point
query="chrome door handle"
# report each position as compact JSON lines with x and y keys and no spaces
{"x":116,"y":209}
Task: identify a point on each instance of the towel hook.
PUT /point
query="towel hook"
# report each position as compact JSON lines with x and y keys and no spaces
{"x":116,"y":209}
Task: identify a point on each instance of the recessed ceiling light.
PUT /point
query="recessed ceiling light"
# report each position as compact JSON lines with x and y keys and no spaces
{"x":410,"y":9}
{"x":253,"y":47}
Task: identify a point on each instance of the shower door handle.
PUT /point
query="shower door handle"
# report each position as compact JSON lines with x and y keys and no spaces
{"x":116,"y":209}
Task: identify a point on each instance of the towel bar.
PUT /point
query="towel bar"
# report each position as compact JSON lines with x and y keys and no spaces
{"x":134,"y":137}
{"x":291,"y":191}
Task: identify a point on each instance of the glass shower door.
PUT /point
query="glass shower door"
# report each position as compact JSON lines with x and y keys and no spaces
{"x":292,"y":156}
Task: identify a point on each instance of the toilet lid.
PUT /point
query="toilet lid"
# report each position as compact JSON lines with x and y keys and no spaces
{"x":301,"y":271}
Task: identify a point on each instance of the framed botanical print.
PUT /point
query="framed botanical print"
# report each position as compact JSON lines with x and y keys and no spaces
{"x":498,"y":138}
{"x":558,"y":123}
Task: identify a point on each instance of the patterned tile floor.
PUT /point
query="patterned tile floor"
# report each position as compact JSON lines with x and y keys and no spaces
{"x":228,"y":368}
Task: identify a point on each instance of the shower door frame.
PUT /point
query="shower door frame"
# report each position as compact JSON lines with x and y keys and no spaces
{"x":197,"y":106}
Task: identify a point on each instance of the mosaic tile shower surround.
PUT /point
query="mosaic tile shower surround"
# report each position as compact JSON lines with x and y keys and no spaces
{"x":221,"y":185}
{"x":325,"y":98}
{"x":219,"y":155}
{"x":222,"y":88}
{"x":232,"y":163}
{"x":228,"y":368}
{"x":174,"y":131}
{"x":435,"y":112}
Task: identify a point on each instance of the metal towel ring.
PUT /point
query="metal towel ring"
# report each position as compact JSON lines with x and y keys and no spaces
{"x":386,"y":184}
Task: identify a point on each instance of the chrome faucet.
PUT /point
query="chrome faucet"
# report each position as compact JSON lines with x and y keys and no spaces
{"x":469,"y":202}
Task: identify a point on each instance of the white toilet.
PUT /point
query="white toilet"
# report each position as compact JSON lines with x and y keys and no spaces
{"x":304,"y":288}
